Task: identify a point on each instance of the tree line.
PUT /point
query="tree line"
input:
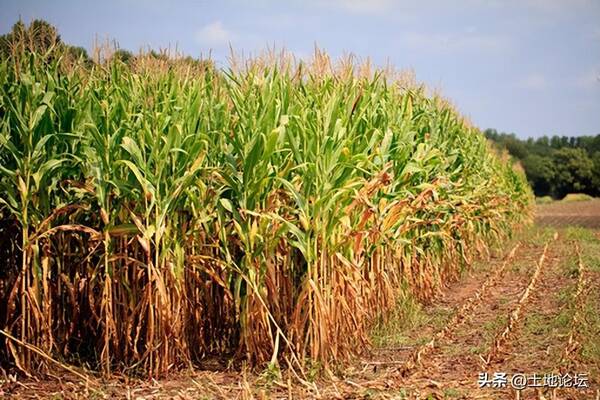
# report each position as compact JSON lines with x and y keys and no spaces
{"x":557,"y":165}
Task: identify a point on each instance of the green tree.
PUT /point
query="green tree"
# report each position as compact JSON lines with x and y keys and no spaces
{"x":77,"y":52}
{"x":540,"y":173}
{"x":516,"y":148}
{"x":573,"y":171}
{"x":555,"y":142}
{"x":123,"y":55}
{"x":595,"y":189}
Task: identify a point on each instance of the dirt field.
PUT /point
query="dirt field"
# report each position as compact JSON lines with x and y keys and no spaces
{"x":584,"y":213}
{"x":532,"y":309}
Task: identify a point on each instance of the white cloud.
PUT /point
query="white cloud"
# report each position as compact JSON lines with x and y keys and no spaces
{"x":467,"y":40}
{"x":215,"y":34}
{"x":534,"y":81}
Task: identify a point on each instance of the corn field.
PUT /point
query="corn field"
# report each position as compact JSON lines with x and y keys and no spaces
{"x":156,"y":214}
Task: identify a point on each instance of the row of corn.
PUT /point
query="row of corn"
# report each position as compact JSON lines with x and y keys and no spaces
{"x":154,"y":214}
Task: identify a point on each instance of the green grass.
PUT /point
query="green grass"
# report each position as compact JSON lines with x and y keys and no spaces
{"x":591,"y":331}
{"x":407,"y":323}
{"x":537,"y":325}
{"x":565,"y":315}
{"x":451,"y":393}
{"x":477,"y":349}
{"x":408,"y":315}
{"x":535,"y":235}
{"x":581,"y":234}
{"x":574,"y":197}
{"x":492,"y":326}
{"x":589,"y":241}
{"x":544,"y":200}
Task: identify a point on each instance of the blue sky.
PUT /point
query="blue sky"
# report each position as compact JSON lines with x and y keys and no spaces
{"x":531,"y":67}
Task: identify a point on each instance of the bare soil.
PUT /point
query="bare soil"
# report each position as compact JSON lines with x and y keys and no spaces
{"x":579,"y":213}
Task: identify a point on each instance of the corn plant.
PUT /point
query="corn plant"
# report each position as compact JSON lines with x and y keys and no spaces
{"x":160,"y":213}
